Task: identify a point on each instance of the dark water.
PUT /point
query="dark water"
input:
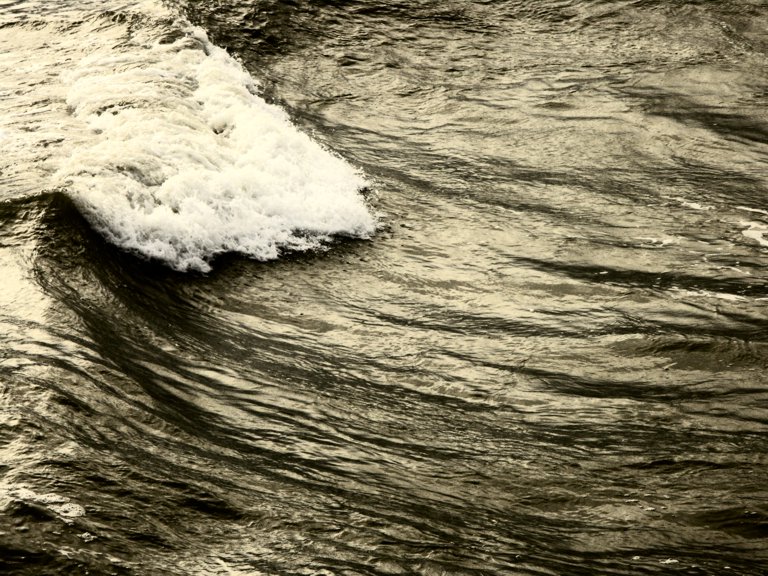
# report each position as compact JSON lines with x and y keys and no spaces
{"x":547,"y":356}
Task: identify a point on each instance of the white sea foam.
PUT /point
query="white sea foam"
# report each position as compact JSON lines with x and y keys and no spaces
{"x":61,"y":505}
{"x":679,"y":293}
{"x":756,"y":231}
{"x":187,"y":162}
{"x":31,"y":496}
{"x":69,"y":510}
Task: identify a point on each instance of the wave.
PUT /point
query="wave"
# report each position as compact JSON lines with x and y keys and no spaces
{"x":182,"y":160}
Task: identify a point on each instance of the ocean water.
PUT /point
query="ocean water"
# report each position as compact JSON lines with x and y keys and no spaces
{"x":404,"y":287}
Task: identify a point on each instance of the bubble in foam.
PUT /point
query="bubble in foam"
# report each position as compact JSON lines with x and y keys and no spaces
{"x":69,"y":510}
{"x":185,"y":161}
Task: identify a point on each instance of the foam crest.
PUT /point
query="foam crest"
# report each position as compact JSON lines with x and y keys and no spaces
{"x":185,"y":161}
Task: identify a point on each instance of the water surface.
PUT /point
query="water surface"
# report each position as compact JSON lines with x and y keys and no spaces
{"x":384,"y":287}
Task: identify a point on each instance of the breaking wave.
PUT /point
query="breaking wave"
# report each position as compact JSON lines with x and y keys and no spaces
{"x":185,"y":161}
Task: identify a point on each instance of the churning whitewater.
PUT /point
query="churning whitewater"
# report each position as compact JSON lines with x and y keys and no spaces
{"x":176,"y":158}
{"x":187,"y":162}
